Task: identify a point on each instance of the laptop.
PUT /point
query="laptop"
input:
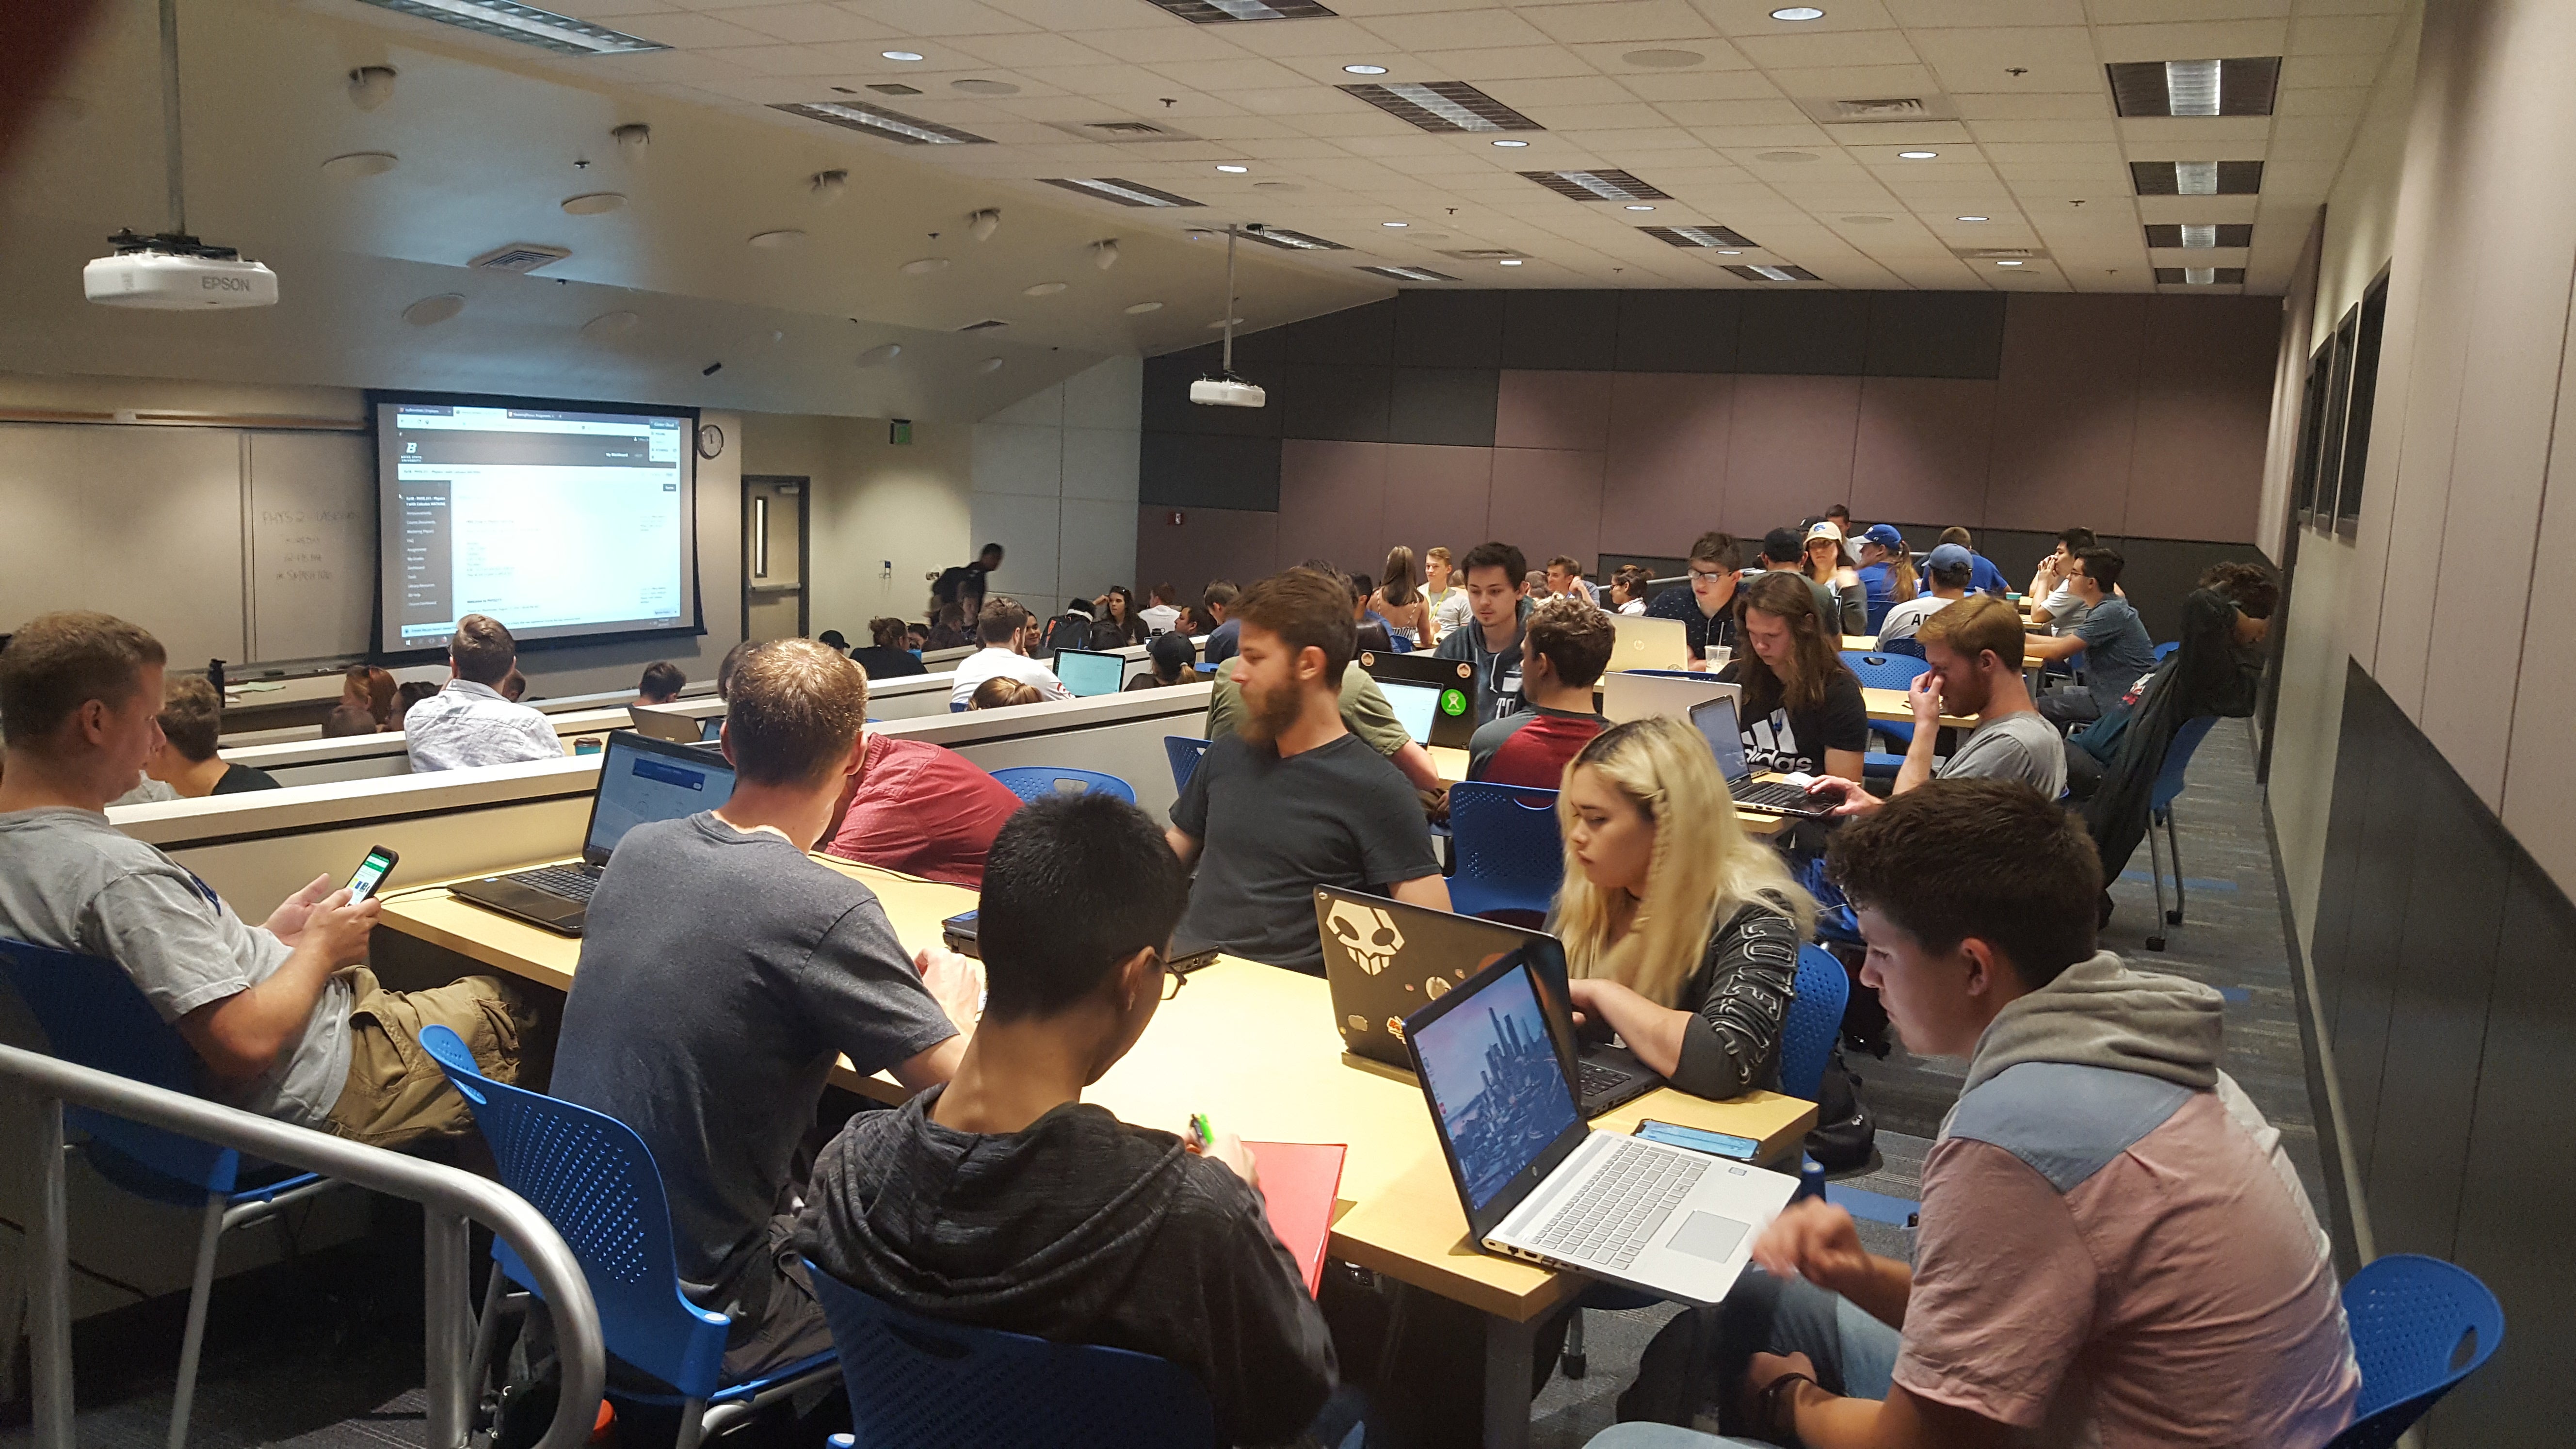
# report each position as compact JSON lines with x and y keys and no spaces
{"x":1087,"y":672}
{"x":655,"y":722}
{"x":1717,"y":724}
{"x":1642,"y":643}
{"x":1537,"y":1184}
{"x":1451,"y":699}
{"x":640,"y":779}
{"x":1187,"y":954}
{"x":1630,"y":695}
{"x":1384,"y":960}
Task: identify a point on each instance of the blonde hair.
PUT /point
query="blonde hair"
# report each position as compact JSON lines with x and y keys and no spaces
{"x":1704,"y":868}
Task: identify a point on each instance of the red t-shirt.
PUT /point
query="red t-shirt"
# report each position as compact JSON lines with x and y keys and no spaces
{"x":1537,"y":753}
{"x":923,"y":810}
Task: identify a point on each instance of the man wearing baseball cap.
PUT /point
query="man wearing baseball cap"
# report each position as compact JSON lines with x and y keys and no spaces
{"x":1948,"y":572}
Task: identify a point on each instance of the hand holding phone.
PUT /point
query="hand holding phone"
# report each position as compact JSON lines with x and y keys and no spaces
{"x":371,"y":873}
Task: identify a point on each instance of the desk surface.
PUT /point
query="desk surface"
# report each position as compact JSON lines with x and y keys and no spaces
{"x":1251,"y":1045}
{"x":1452,"y":765}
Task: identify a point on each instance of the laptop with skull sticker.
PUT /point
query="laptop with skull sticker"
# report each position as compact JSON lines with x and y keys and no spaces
{"x":1386,"y":960}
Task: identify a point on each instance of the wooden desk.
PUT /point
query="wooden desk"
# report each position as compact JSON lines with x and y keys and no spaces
{"x":1452,"y":764}
{"x":1256,"y":1048}
{"x":1890,"y":704}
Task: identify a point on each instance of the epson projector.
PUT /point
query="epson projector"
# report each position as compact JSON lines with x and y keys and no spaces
{"x":174,"y":274}
{"x":1222,"y":392}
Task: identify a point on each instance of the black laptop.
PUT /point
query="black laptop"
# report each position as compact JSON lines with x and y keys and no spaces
{"x":1385,"y":960}
{"x":1717,"y":724}
{"x":1435,"y":699}
{"x":640,"y":779}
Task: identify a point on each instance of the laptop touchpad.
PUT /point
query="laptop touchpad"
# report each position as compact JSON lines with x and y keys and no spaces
{"x":1706,"y":1235}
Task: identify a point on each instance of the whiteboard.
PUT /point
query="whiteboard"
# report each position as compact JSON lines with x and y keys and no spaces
{"x":312,"y":560}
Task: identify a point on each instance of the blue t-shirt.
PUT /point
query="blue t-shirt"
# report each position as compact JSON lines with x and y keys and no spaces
{"x":2116,"y":650}
{"x":1985,"y":578}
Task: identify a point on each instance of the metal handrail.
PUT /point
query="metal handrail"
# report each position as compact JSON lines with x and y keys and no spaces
{"x":448,"y":1197}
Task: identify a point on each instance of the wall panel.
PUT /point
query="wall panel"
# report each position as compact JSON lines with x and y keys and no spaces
{"x":1436,"y":496}
{"x":2066,"y":409}
{"x":1331,"y":498}
{"x":1548,"y":501}
{"x":1552,"y":410}
{"x":2204,"y":410}
{"x":1664,"y":481}
{"x":1789,"y":450}
{"x":1208,"y":543}
{"x":1922,"y":449}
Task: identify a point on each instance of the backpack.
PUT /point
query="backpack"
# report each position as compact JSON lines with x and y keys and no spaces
{"x":950,"y":583}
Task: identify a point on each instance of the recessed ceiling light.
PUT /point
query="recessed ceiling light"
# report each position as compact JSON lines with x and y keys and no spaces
{"x":1441,"y":105}
{"x":900,"y":54}
{"x":1365,"y":69}
{"x":1797,"y":12}
{"x":1728,"y":252}
{"x":1234,"y":170}
{"x":358,"y":164}
{"x":1410,"y":274}
{"x":1042,"y":289}
{"x":2237,"y":86}
{"x":1514,"y":145}
{"x":1973,"y":218}
{"x":1395,"y":223}
{"x":882,"y":352}
{"x":1640,"y":206}
{"x":609,"y":324}
{"x":778,"y":240}
{"x":2007,"y":264}
{"x":1916,"y":155}
{"x":593,"y":204}
{"x":989,"y":365}
{"x":525,"y":24}
{"x":924,"y":266}
{"x":430,"y":311}
{"x":1511,"y":261}
{"x":1141,"y":308}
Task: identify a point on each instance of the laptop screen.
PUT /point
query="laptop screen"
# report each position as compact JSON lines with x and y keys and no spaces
{"x":711,"y":729}
{"x":1086,"y":673}
{"x":1716,"y":721}
{"x":1416,"y":706}
{"x":638,"y":785}
{"x":1497,"y":1089}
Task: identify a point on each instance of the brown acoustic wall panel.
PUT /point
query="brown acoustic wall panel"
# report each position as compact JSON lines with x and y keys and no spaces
{"x":2204,"y":417}
{"x":2066,"y":412}
{"x":1331,"y":498}
{"x":1663,"y":483}
{"x":1552,"y":410}
{"x":1789,"y":452}
{"x":1923,"y":450}
{"x":1436,"y":495}
{"x":1548,"y":501}
{"x":1209,"y":543}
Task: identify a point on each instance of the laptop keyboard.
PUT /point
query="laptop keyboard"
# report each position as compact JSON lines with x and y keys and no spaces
{"x":1772,"y":795}
{"x":1631,"y":1193}
{"x":1601,"y":1081}
{"x":572,"y":882}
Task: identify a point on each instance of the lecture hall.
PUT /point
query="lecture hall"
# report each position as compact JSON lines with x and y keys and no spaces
{"x":1358,"y":724}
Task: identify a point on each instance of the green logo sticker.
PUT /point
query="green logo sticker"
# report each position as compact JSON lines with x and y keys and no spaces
{"x":1453,"y":702}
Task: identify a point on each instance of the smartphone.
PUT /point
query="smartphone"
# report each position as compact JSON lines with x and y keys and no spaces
{"x":1715,"y":1144}
{"x":371,"y":873}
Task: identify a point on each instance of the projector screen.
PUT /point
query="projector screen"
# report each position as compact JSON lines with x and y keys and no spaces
{"x":564,"y":522}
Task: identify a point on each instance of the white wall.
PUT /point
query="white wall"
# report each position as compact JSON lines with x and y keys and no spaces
{"x":1055,"y":485}
{"x":879,"y":516}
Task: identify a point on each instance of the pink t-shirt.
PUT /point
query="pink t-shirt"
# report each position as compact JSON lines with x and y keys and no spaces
{"x":2176,"y":1295}
{"x":923,"y":810}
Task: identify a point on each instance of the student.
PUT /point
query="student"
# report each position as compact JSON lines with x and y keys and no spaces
{"x":721,"y":974}
{"x":1292,"y":800}
{"x":948,"y":630}
{"x":661,"y":684}
{"x":372,"y":690}
{"x":514,"y":687}
{"x":348,"y":719}
{"x":1985,"y":578}
{"x":1974,"y":650}
{"x":1218,"y":599}
{"x":1840,"y":517}
{"x":886,"y":656}
{"x":1802,"y":706}
{"x":1948,"y":570}
{"x":191,"y":716}
{"x":2113,"y":1248}
{"x":1115,"y":622}
{"x":1406,"y":609}
{"x":1175,"y":659}
{"x":1365,"y":713}
{"x":1068,"y":630}
{"x":1376,"y":632}
{"x":1002,"y":1200}
{"x":406,"y":695}
{"x":919,"y":808}
{"x":1830,"y":565}
{"x":2111,"y":639}
{"x":732,"y":661}
{"x":1784,"y":551}
{"x":963,"y":586}
{"x":1164,"y":614}
{"x":1707,"y":607}
{"x":1681,"y":932}
{"x":284,"y":1018}
{"x":916,"y":637}
{"x":470,"y":723}
{"x":1886,"y":571}
{"x":1003,"y":692}
{"x":1441,"y":590}
{"x":1498,"y":608}
{"x":834,"y":640}
{"x":1567,"y":648}
{"x":2051,"y":594}
{"x":1628,"y":591}
{"x":1565,"y":576}
{"x":1007,"y":632}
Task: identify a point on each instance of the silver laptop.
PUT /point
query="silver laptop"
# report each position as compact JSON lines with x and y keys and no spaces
{"x":1642,"y":643}
{"x":1087,"y":672}
{"x":1643,"y":696}
{"x":1725,"y":735}
{"x":658,"y":723}
{"x":641,"y":779}
{"x":1537,"y":1184}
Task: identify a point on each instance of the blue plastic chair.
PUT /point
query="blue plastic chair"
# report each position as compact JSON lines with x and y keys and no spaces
{"x":917,"y":1382}
{"x":1185,"y":754}
{"x":95,"y":1016}
{"x":1511,"y":857}
{"x":1887,"y":671}
{"x":2169,"y":783}
{"x":595,"y":1181}
{"x":2162,"y":650}
{"x":1909,"y":646}
{"x":1043,"y":782}
{"x":2419,"y":1327}
{"x":1814,"y":1023}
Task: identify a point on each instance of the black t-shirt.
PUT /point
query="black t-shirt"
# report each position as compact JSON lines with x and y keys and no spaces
{"x":886,"y":662}
{"x":1789,"y":740}
{"x":238,"y":778}
{"x":1273,"y":830}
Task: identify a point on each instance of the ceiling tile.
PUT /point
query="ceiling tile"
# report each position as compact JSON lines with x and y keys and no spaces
{"x":1221,"y":76}
{"x":2309,"y":138}
{"x":1620,"y":21}
{"x":1827,"y":48}
{"x":2061,"y":129}
{"x":1161,"y":43}
{"x":1302,"y":101}
{"x":1022,"y":51}
{"x":1438,"y":32}
{"x":936,"y":17}
{"x":1753,"y":17}
{"x":2058,"y":58}
{"x":2195,"y":138}
{"x":2000,"y":107}
{"x":2303,"y":72}
{"x":2342,"y":35}
{"x":2149,"y":12}
{"x":1611,"y":58}
{"x":684,"y":31}
{"x":1070,"y":14}
{"x":2323,"y":101}
{"x":807,"y":22}
{"x":1734,"y":113}
{"x":2213,"y":39}
{"x":1856,"y":82}
{"x":1346,"y":40}
{"x":1700,"y":85}
{"x":1927,"y":13}
{"x":1573,"y":90}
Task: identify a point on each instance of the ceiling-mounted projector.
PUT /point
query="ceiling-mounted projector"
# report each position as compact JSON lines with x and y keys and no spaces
{"x":1227,"y":392}
{"x":173,"y":273}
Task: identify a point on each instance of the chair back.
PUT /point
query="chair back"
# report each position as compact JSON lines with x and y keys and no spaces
{"x":2419,"y":1326}
{"x":2163,"y":650}
{"x":1042,"y":782}
{"x":2169,"y":781}
{"x":95,"y":1016}
{"x":1909,"y":646}
{"x":916,"y":1381}
{"x":1511,"y":855}
{"x":1875,"y":611}
{"x":1185,"y":754}
{"x":1884,"y":671}
{"x":595,"y":1181}
{"x":1814,"y":1023}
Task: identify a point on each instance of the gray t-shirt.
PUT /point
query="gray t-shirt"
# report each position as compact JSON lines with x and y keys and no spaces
{"x":2020,"y":746}
{"x":72,"y":882}
{"x":2116,"y":650}
{"x":721,"y":972}
{"x":1274,"y":830}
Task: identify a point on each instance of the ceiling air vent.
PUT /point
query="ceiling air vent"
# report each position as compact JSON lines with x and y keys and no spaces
{"x":1711,"y":235}
{"x":1774,"y":274}
{"x":1877,"y":110}
{"x":1123,"y":132}
{"x":1484,"y":254}
{"x":1120,"y":190}
{"x":1604,"y":184}
{"x":1294,"y":241}
{"x":519,"y":257}
{"x":1410,"y":274}
{"x":987,"y":325}
{"x":1999,"y":254}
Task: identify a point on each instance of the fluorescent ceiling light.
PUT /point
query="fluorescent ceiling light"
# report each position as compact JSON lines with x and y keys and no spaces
{"x":861,"y":116}
{"x":1117,"y":189}
{"x":1395,"y":223}
{"x":1365,"y":69}
{"x":1711,"y":236}
{"x":1798,"y":12}
{"x":1410,"y":274}
{"x":1916,"y":155}
{"x":1247,"y":10}
{"x":1639,"y":206}
{"x":526,"y":24}
{"x":1728,"y":252}
{"x":1511,"y":261}
{"x":2007,"y":264}
{"x":2199,"y":235}
{"x":2200,"y":275}
{"x":2196,"y":178}
{"x":1219,"y":12}
{"x":1973,"y":218}
{"x":2191,"y":87}
{"x":1514,"y":144}
{"x":1295,"y":241}
{"x":1776,"y":274}
{"x":1441,"y":106}
{"x":900,"y":54}
{"x":1234,"y":170}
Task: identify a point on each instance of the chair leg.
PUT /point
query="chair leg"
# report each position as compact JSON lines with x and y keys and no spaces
{"x":1573,"y":1358}
{"x":487,"y":1327}
{"x":693,"y":1424}
{"x":193,"y":1340}
{"x":2173,"y":848}
{"x":2156,"y":872}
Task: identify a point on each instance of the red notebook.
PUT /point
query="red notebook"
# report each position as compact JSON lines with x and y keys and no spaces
{"x":1299,"y":1181}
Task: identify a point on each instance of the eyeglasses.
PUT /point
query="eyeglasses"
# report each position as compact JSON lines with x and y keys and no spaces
{"x":1707,"y":576}
{"x":1173,"y":980}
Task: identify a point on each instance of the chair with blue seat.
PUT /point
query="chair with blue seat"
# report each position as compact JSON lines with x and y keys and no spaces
{"x":94,"y":1015}
{"x":2163,"y":650}
{"x":1185,"y":754}
{"x":1883,"y":670}
{"x":1043,"y":782}
{"x":595,"y":1181}
{"x":2419,"y":1327}
{"x":1909,"y":646}
{"x":2169,"y":783}
{"x":1510,"y":854}
{"x":915,"y":1381}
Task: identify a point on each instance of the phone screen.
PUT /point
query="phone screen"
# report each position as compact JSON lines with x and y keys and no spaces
{"x":370,"y":874}
{"x":1716,"y":1144}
